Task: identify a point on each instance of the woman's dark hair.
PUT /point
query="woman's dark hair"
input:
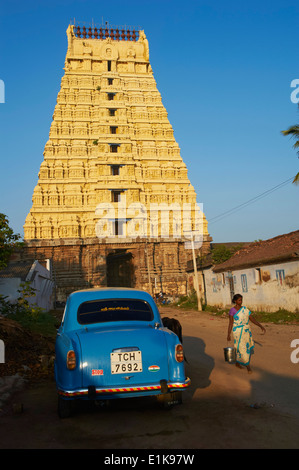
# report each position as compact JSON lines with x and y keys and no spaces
{"x":236,"y":297}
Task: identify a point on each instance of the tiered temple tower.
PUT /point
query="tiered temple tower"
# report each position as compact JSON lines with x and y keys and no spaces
{"x":111,"y":160}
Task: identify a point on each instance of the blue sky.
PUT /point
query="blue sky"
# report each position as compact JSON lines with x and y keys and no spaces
{"x":224,"y":70}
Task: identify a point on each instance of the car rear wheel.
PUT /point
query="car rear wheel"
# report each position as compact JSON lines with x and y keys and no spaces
{"x":64,"y":408}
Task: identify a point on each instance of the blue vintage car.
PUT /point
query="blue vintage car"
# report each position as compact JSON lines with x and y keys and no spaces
{"x":112,"y":344}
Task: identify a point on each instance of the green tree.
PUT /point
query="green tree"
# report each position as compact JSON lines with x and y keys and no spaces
{"x":8,"y":241}
{"x":221,"y":253}
{"x":293,"y":132}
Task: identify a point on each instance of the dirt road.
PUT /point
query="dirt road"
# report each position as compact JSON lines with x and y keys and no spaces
{"x":224,"y":407}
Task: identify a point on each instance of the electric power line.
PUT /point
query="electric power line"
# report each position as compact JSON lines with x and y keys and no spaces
{"x":250,"y":201}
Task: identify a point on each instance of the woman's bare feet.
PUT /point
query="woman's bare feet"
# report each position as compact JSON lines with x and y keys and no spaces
{"x":249,"y":369}
{"x":239,"y":365}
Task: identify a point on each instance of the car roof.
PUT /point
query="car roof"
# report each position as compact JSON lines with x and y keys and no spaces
{"x":105,"y":292}
{"x":101,"y":293}
{"x":92,"y":289}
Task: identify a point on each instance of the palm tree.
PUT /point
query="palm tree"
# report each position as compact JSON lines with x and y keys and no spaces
{"x":293,"y":131}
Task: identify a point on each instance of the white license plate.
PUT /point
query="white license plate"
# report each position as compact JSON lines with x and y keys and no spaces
{"x":124,"y":362}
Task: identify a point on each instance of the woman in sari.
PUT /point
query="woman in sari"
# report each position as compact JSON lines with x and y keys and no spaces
{"x":239,"y":318}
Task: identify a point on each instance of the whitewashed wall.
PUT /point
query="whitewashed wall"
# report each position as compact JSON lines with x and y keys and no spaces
{"x":266,"y":288}
{"x":39,"y":278}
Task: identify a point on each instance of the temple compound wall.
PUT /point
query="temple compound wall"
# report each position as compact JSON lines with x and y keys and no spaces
{"x":113,"y":204}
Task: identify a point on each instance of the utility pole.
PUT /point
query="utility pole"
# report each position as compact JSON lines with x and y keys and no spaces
{"x":160,"y":267}
{"x":148,"y":270}
{"x":199,"y":306}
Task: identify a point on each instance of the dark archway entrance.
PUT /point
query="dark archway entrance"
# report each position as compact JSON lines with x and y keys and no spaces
{"x":120,"y":269}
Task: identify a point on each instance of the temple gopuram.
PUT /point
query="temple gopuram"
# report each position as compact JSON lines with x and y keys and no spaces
{"x":113,"y":204}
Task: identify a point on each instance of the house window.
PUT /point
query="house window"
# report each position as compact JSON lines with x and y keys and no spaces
{"x":109,"y":65}
{"x":280,"y":276}
{"x":115,"y":196}
{"x":113,"y":129}
{"x":110,"y":96}
{"x":110,"y":81}
{"x":112,"y":112}
{"x":258,"y":275}
{"x":244,"y":283}
{"x":115,"y":170}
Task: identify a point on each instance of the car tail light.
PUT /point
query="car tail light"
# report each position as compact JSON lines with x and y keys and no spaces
{"x":71,"y":360}
{"x":179,"y":353}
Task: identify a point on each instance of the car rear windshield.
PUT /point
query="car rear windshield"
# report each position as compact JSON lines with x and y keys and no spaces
{"x":100,"y":311}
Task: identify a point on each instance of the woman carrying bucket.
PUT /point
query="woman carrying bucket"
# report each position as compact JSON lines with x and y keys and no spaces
{"x":239,"y":318}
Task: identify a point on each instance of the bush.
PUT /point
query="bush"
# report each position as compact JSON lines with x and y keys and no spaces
{"x":30,"y":317}
{"x":188,"y":301}
{"x":22,"y":306}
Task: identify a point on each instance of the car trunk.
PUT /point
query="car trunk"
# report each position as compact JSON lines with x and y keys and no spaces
{"x":123,"y":356}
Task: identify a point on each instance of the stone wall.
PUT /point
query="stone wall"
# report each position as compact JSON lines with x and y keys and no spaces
{"x":77,"y":264}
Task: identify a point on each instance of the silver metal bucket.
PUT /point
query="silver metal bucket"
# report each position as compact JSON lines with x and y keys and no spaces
{"x":230,"y":355}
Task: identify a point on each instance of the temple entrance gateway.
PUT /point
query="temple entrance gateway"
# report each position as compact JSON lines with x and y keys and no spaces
{"x":120,"y":269}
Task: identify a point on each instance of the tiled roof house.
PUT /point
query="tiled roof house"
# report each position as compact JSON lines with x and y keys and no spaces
{"x":265,"y":273}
